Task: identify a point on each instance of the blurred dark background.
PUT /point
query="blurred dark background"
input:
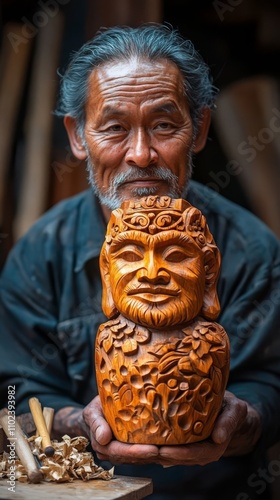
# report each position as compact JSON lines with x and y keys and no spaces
{"x":239,"y":39}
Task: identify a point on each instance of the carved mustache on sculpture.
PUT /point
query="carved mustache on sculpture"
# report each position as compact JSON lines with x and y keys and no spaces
{"x":162,"y":362}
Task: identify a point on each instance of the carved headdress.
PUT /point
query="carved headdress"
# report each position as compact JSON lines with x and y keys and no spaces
{"x":152,"y":215}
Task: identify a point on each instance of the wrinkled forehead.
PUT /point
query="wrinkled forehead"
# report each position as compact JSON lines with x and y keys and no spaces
{"x":137,"y":71}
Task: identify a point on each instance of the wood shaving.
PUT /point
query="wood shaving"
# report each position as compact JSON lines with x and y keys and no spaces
{"x":20,"y":472}
{"x":70,"y":461}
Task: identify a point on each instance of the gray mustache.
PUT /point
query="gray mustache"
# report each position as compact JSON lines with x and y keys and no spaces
{"x":161,"y":173}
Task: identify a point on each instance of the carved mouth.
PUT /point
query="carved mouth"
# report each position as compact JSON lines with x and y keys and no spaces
{"x":155,"y":290}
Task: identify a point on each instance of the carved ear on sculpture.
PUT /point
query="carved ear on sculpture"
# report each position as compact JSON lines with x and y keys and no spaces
{"x":108,"y":304}
{"x":211,"y":304}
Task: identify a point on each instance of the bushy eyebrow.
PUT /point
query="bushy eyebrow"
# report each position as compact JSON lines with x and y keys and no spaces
{"x":110,"y":110}
{"x":164,"y":108}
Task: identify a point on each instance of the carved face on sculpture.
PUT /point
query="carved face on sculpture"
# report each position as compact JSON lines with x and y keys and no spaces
{"x":159,"y":263}
{"x":157,"y":279}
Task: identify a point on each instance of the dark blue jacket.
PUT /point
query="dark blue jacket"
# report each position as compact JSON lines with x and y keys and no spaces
{"x":50,"y":310}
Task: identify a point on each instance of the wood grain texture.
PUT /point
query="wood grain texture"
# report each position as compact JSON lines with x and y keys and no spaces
{"x":118,"y":488}
{"x":162,"y":362}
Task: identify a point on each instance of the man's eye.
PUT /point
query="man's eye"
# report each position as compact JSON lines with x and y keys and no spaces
{"x":163,"y":126}
{"x":115,"y":128}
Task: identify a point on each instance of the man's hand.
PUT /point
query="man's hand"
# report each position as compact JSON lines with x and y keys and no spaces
{"x":69,"y":420}
{"x":107,"y":448}
{"x":236,"y":432}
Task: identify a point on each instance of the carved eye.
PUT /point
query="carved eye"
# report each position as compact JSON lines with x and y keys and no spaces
{"x":130,"y":256}
{"x":128,"y":253}
{"x":175,"y":256}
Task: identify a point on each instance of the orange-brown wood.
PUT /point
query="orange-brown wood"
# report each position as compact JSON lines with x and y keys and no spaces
{"x":162,"y":362}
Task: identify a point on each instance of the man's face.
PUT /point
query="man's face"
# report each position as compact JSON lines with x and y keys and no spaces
{"x":157,"y":280}
{"x":138,"y":131}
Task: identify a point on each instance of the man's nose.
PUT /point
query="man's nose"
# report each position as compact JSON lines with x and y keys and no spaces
{"x":140,"y":152}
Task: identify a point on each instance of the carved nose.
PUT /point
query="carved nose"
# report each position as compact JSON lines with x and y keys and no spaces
{"x":155,"y":278}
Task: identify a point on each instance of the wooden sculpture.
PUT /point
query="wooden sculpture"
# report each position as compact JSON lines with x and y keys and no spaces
{"x":162,"y":364}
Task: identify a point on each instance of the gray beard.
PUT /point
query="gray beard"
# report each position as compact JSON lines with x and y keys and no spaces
{"x":112,"y":199}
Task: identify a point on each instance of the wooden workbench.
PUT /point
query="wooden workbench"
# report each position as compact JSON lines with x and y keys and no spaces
{"x":117,"y":488}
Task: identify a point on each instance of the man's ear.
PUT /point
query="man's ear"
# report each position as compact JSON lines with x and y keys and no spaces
{"x":76,"y":141}
{"x":203,"y":129}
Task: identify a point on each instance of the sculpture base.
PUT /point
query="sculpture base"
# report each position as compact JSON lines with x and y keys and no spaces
{"x":161,"y":387}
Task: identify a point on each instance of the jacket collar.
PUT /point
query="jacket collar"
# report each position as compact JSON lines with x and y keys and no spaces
{"x":91,"y":231}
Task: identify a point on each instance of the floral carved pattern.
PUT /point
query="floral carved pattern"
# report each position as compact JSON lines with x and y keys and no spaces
{"x":169,"y":387}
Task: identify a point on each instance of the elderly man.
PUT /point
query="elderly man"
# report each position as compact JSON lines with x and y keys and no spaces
{"x":136,"y":104}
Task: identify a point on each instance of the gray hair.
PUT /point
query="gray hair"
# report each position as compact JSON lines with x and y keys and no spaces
{"x":150,"y":41}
